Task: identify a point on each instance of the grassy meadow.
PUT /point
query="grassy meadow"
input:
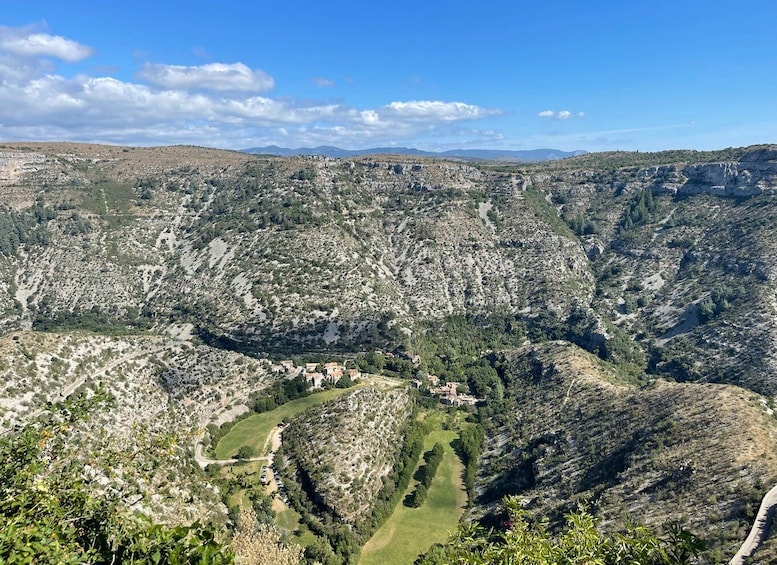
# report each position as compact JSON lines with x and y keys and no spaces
{"x":411,"y":531}
{"x":254,"y":430}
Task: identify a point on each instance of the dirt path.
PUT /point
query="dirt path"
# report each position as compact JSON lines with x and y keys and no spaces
{"x":273,"y":440}
{"x":271,"y":489}
{"x":203,"y":461}
{"x":760,"y":528}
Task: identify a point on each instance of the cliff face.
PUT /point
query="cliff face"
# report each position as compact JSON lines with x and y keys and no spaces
{"x":664,"y":264}
{"x":16,"y":164}
{"x":289,"y":254}
{"x":755,"y":173}
{"x":313,"y":252}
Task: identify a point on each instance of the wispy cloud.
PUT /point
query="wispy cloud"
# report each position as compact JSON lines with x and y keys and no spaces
{"x":217,"y":104}
{"x":322,"y":82}
{"x":640,"y":129}
{"x":560,"y":115}
{"x":653,"y":137}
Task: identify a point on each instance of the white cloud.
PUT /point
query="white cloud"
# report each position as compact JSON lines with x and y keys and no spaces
{"x":436,"y":110}
{"x":560,"y":115}
{"x":217,"y":104}
{"x":369,"y":117}
{"x":25,"y":42}
{"x":219,"y":77}
{"x":100,"y":106}
{"x":322,"y":82}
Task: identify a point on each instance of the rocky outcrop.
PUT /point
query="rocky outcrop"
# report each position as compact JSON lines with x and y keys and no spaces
{"x":755,"y":173}
{"x":298,"y":254}
{"x":15,"y":164}
{"x":344,"y":451}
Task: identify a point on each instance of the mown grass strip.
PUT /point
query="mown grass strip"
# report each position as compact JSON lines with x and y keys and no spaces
{"x":411,"y":531}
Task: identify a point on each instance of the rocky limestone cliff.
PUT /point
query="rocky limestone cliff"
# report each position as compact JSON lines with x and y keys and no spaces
{"x":287,"y":254}
{"x":14,"y":165}
{"x":754,"y":173}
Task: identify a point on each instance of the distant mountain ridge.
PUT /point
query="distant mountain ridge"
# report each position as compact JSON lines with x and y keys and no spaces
{"x":531,"y":155}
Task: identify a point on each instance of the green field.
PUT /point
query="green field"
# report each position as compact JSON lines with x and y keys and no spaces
{"x":410,"y":531}
{"x":249,"y":475}
{"x":253,"y":431}
{"x":291,"y":521}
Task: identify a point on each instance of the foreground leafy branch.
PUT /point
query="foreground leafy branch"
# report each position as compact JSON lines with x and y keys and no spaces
{"x":48,"y":514}
{"x":528,"y":542}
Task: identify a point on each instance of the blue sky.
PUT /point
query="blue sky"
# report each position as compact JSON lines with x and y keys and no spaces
{"x":594,"y":75}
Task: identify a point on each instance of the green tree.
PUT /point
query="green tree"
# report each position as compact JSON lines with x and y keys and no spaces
{"x":245,"y":452}
{"x":470,"y":442}
{"x":418,"y":497}
{"x":48,"y":515}
{"x":530,"y":542}
{"x":344,"y":382}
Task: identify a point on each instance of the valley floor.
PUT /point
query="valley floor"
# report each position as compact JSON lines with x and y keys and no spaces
{"x":412,"y":531}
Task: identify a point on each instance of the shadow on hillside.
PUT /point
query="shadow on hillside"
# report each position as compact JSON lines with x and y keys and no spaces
{"x":606,"y":471}
{"x":362,"y":337}
{"x":689,"y":321}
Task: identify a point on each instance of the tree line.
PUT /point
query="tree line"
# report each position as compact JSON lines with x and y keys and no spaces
{"x":425,"y":475}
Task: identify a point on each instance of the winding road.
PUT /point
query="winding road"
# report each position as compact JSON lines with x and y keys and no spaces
{"x":760,"y":528}
{"x":203,"y":461}
{"x":273,"y":439}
